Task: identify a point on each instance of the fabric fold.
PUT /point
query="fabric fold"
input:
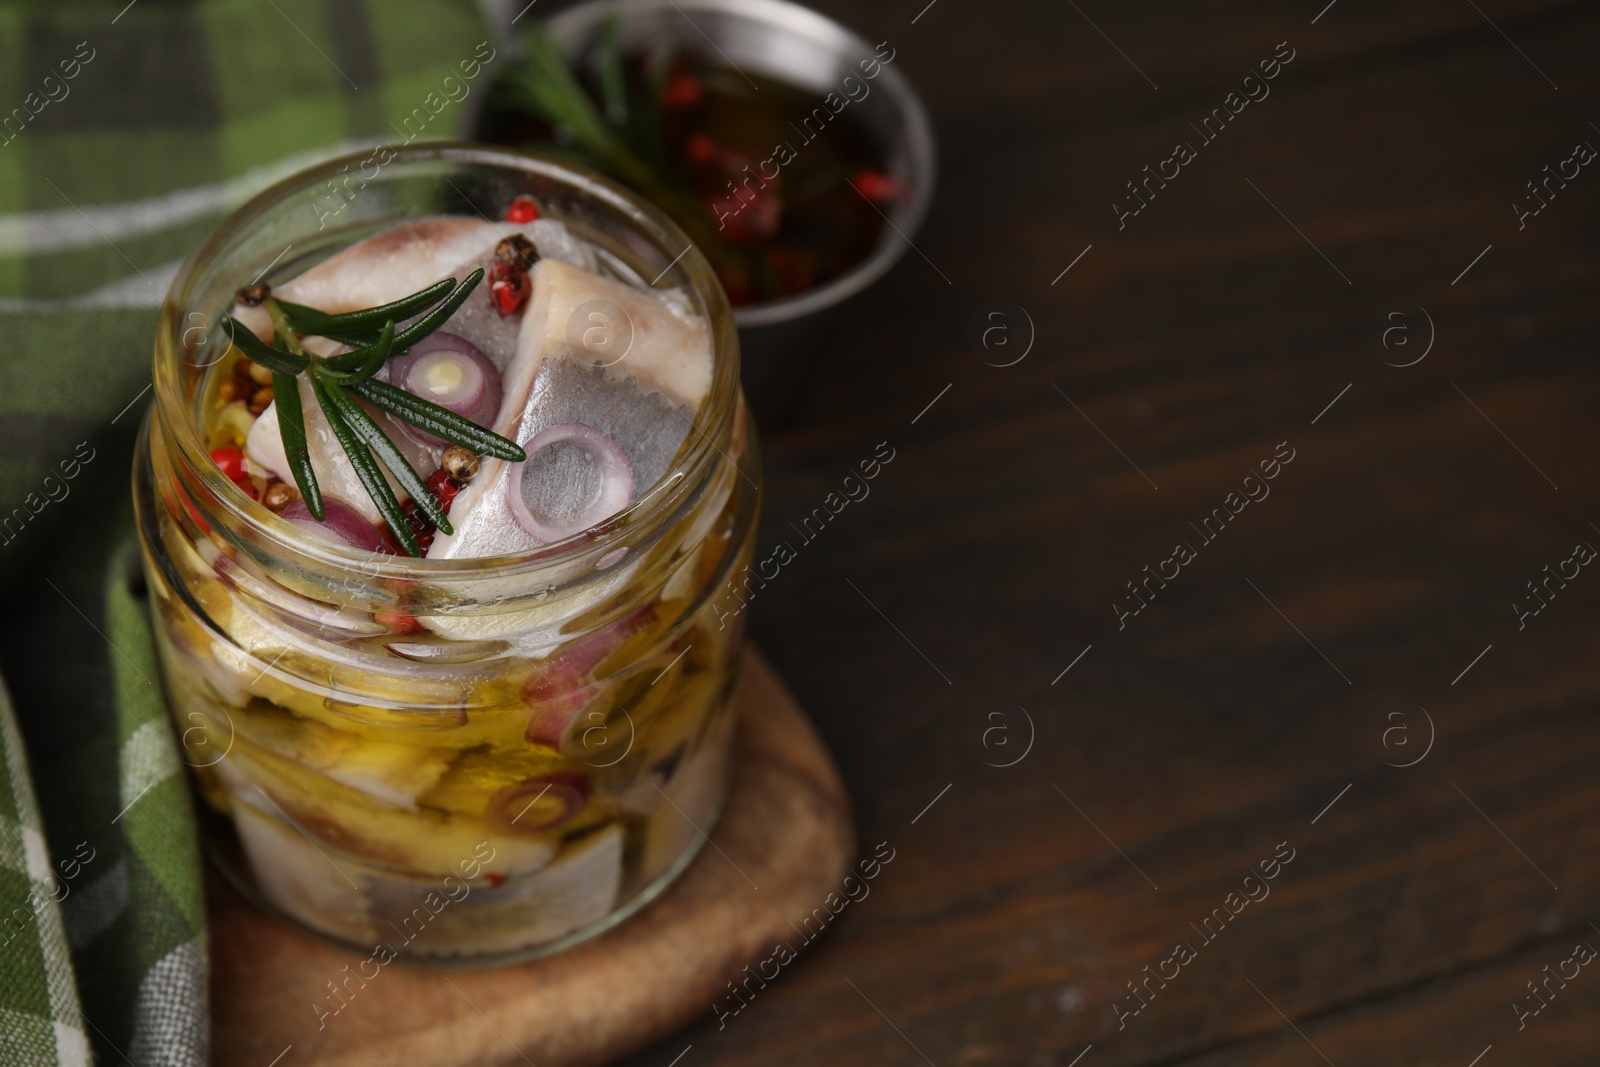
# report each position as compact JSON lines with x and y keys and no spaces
{"x":141,"y":126}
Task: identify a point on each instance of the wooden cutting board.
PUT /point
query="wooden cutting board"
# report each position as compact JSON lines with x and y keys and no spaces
{"x":782,"y":845}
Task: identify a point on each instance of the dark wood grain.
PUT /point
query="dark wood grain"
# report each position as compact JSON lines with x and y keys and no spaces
{"x":1211,"y":728}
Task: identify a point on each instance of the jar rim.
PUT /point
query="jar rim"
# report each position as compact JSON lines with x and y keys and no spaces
{"x":576,"y":554}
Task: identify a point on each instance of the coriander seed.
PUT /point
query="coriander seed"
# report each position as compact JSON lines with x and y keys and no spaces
{"x":460,"y":463}
{"x":279,"y":495}
{"x":253,"y":295}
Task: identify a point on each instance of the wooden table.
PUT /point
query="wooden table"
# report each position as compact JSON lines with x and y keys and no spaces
{"x":1359,"y":618}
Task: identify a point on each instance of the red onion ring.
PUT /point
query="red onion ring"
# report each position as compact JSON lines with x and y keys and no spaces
{"x":555,"y":723}
{"x":610,"y":496}
{"x":341,"y":523}
{"x":559,"y":687}
{"x":453,"y":373}
{"x":536,"y":805}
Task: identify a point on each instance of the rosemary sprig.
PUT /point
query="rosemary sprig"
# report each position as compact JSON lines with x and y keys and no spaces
{"x":310,"y":320}
{"x":441,"y":422}
{"x":546,"y":86}
{"x":416,"y":331}
{"x":373,"y":336}
{"x":372,"y":358}
{"x":651,"y":112}
{"x":292,"y":428}
{"x":366,"y":467}
{"x":612,"y":87}
{"x":622,"y":138}
{"x":276,"y":360}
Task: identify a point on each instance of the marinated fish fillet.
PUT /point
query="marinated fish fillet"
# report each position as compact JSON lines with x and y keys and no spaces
{"x":386,"y":267}
{"x":643,"y":401}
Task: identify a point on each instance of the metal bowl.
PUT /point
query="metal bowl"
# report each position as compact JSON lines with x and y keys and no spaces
{"x":800,"y":47}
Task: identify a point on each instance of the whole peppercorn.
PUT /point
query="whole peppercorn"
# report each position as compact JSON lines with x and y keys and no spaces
{"x":701,"y":149}
{"x":279,"y":495}
{"x":877,"y":186}
{"x":509,"y":288}
{"x":404,"y":625}
{"x":422,"y":527}
{"x":231,"y":462}
{"x":253,"y":295}
{"x":259,"y":401}
{"x":460,"y":463}
{"x":257,"y":373}
{"x":683,"y":91}
{"x":232,"y":389}
{"x":522,"y":211}
{"x":444,"y":488}
{"x":516,"y":252}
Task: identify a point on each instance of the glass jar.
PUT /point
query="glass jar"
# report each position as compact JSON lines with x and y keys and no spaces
{"x":459,"y":760}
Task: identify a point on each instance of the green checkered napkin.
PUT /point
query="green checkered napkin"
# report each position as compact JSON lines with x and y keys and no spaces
{"x":126,"y":132}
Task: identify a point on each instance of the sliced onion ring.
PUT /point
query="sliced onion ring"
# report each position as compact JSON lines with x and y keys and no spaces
{"x":558,"y":724}
{"x":612,"y":494}
{"x":453,"y":373}
{"x":341,"y":523}
{"x":536,"y":805}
